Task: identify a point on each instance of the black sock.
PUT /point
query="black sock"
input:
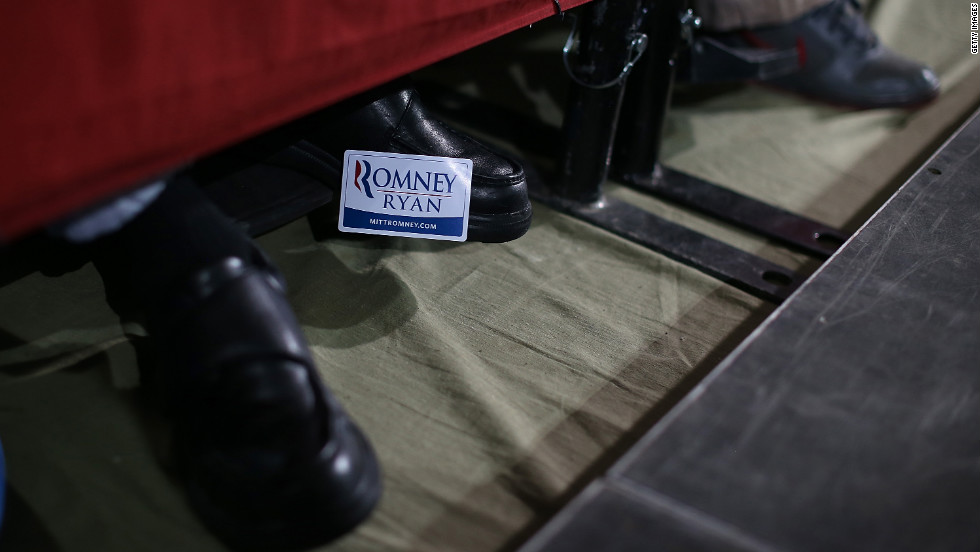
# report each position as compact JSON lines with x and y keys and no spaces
{"x":178,"y":234}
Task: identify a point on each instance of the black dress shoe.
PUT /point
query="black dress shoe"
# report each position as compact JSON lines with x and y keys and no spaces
{"x":268,"y":456}
{"x":841,"y":60}
{"x":394,"y":120}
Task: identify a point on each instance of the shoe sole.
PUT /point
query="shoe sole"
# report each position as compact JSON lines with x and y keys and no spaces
{"x":499,"y":228}
{"x":313,"y":529}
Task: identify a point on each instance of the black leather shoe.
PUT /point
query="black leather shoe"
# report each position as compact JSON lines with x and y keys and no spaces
{"x":841,"y":60}
{"x":394,"y":120}
{"x":269,"y":458}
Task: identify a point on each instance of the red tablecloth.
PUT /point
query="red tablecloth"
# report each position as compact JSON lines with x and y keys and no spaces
{"x":98,"y":95}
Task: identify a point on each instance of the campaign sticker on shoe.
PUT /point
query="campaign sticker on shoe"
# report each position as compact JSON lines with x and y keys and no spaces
{"x":414,"y":196}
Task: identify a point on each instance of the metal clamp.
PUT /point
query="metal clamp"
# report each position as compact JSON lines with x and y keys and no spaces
{"x":638,"y":45}
{"x":689,"y":24}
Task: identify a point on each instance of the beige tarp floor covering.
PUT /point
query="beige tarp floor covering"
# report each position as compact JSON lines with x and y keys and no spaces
{"x":490,"y":378}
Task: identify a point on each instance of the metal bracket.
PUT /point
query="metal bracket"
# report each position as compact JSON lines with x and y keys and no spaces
{"x":638,"y":45}
{"x":709,"y":60}
{"x":739,"y":210}
{"x":729,"y":264}
{"x":690,"y":23}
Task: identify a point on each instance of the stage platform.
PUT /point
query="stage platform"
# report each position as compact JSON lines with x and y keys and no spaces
{"x":847,"y":421}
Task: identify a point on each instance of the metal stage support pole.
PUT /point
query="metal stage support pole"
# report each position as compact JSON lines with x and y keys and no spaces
{"x":614,"y":36}
{"x":637,"y":152}
{"x":609,"y":44}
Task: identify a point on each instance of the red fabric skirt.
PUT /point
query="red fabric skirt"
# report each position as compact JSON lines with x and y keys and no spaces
{"x":99,"y":95}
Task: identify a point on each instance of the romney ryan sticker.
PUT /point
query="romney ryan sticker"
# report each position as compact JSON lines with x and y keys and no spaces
{"x":414,"y":196}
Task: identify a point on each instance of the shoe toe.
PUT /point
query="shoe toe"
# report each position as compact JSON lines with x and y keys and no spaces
{"x":889,"y":80}
{"x":268,"y":455}
{"x":275,"y":462}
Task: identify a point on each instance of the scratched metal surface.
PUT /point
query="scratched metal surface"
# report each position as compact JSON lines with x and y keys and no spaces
{"x":850,"y":420}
